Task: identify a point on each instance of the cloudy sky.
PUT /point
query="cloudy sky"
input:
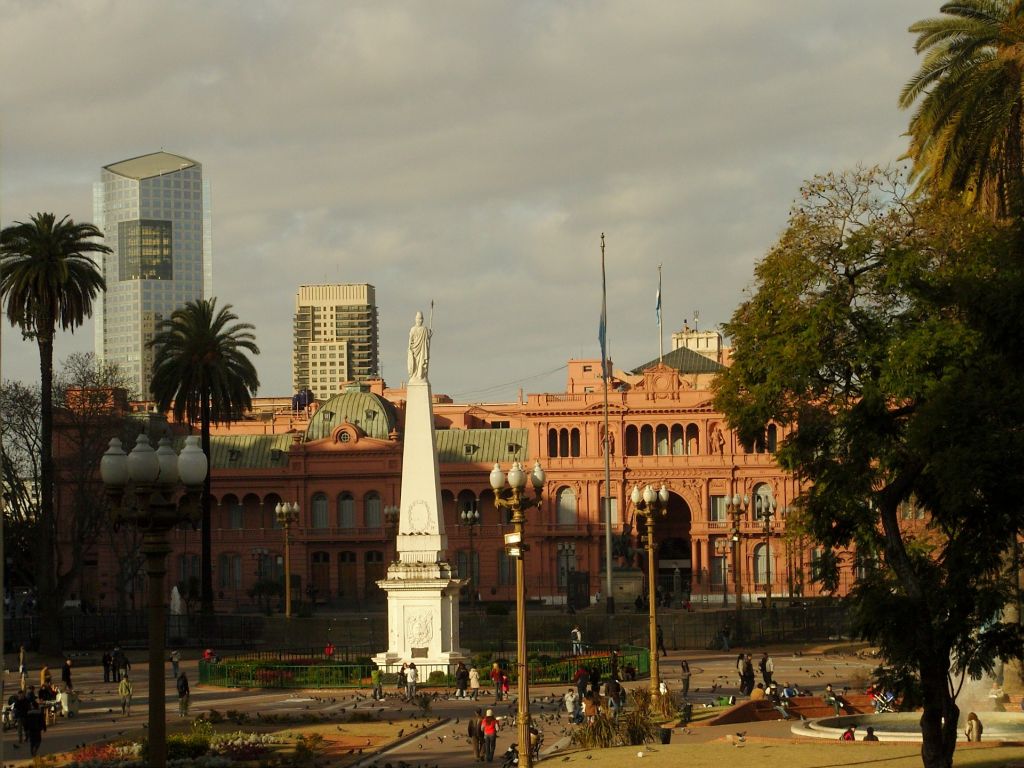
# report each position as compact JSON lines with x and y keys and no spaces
{"x":466,"y":152}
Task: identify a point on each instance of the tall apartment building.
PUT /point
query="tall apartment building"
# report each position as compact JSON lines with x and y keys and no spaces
{"x":336,"y":337}
{"x":154,"y":212}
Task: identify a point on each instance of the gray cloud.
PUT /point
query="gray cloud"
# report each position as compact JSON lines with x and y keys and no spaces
{"x":462,"y":151}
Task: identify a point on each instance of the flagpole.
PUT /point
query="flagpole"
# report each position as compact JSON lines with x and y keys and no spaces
{"x":661,"y":335}
{"x":605,"y":373}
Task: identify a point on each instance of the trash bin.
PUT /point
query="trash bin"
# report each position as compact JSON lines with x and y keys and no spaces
{"x":666,"y":735}
{"x":687,"y":713}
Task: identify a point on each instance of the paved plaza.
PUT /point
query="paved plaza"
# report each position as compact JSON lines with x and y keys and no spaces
{"x":443,"y":742}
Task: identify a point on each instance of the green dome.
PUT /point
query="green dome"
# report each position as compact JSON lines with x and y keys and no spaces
{"x":372,"y":414}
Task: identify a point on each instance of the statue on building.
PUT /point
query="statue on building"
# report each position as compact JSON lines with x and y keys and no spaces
{"x":419,"y":350}
{"x":717,"y":441}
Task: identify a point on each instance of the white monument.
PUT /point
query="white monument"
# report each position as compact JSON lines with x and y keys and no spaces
{"x":423,"y":592}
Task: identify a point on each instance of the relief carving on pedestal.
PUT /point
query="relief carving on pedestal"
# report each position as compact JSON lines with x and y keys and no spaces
{"x":418,"y":628}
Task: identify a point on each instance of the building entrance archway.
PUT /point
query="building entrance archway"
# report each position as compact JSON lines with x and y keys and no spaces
{"x":674,"y":550}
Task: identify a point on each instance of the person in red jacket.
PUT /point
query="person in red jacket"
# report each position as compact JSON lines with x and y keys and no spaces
{"x":489,"y":725}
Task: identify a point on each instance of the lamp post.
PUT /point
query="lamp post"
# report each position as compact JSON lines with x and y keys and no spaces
{"x":652,"y":504}
{"x":511,"y":497}
{"x":764,"y":506}
{"x":286,"y":515}
{"x":722,"y":548}
{"x":470,"y":517}
{"x":735,"y":507}
{"x":159,"y":478}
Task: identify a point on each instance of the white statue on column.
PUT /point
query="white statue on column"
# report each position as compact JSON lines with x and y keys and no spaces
{"x":419,"y":350}
{"x":422,"y":587}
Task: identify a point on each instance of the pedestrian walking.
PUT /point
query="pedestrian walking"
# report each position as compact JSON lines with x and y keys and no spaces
{"x":108,"y":662}
{"x":661,"y":641}
{"x":496,"y":679}
{"x":411,"y":678}
{"x":401,"y":678}
{"x":21,"y":706}
{"x":183,"y":695}
{"x":34,"y":725}
{"x":973,"y":730}
{"x":461,"y":680}
{"x":767,"y":667}
{"x":22,"y":669}
{"x":576,"y":636}
{"x":124,"y":690}
{"x":175,"y":662}
{"x":65,"y":675}
{"x":748,"y":675}
{"x":490,"y":726}
{"x":44,"y":676}
{"x":474,"y":683}
{"x":476,"y":735}
{"x":684,"y":668}
{"x":376,"y":682}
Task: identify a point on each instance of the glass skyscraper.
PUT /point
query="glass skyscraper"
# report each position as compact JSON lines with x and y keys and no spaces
{"x":154,"y":212}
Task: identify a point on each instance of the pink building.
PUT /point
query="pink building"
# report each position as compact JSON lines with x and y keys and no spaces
{"x":342,"y":462}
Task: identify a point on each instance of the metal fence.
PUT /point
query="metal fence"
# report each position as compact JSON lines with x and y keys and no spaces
{"x":364,"y":634}
{"x":286,"y":670}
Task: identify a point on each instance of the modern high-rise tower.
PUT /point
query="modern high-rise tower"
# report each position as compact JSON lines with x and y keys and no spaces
{"x":154,"y":212}
{"x":336,"y":337}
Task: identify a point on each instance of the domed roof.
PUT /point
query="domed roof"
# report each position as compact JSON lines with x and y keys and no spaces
{"x":372,"y":414}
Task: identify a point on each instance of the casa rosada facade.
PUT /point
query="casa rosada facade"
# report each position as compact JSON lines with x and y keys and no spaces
{"x":341,"y":462}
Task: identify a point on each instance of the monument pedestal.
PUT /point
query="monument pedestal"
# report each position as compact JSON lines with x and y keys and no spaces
{"x":423,"y":616}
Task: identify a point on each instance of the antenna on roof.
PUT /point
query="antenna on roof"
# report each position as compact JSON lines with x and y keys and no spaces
{"x":696,"y":318}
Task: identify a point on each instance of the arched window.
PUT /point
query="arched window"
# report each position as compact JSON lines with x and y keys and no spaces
{"x":565,"y":506}
{"x":465,"y":501}
{"x":229,"y":566}
{"x":761,"y":500}
{"x":270,"y":511}
{"x":372,"y":510}
{"x":692,"y":440}
{"x":772,"y":438}
{"x":661,"y":440}
{"x":232,"y":511}
{"x":646,"y":440}
{"x":678,"y":447}
{"x":347,"y":574}
{"x":552,"y":442}
{"x":346,"y":510}
{"x":318,"y":514}
{"x":632,"y":441}
{"x":563,"y":442}
{"x":251,"y":511}
{"x":574,"y":443}
{"x":761,"y":564}
{"x":320,"y":574}
{"x":374,"y":571}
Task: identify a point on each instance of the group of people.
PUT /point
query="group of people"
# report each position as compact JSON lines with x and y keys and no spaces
{"x":115,"y":665}
{"x":408,"y":677}
{"x":587,"y":698}
{"x":745,"y":672}
{"x":467,"y":679}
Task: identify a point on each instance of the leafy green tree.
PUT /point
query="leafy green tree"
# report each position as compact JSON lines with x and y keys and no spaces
{"x":967,"y":132}
{"x":886,"y":333}
{"x":48,"y":281}
{"x":201,"y":368}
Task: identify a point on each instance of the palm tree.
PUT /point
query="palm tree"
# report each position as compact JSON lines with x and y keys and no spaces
{"x":967,"y":133}
{"x":200,"y":367}
{"x":48,"y":280}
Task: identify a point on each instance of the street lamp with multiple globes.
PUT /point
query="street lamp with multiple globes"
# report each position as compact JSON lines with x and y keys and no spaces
{"x":652,"y":504}
{"x":511,"y":497}
{"x":735,"y":507}
{"x":470,"y":517}
{"x":166,"y":490}
{"x":286,"y":515}
{"x":764,"y":508}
